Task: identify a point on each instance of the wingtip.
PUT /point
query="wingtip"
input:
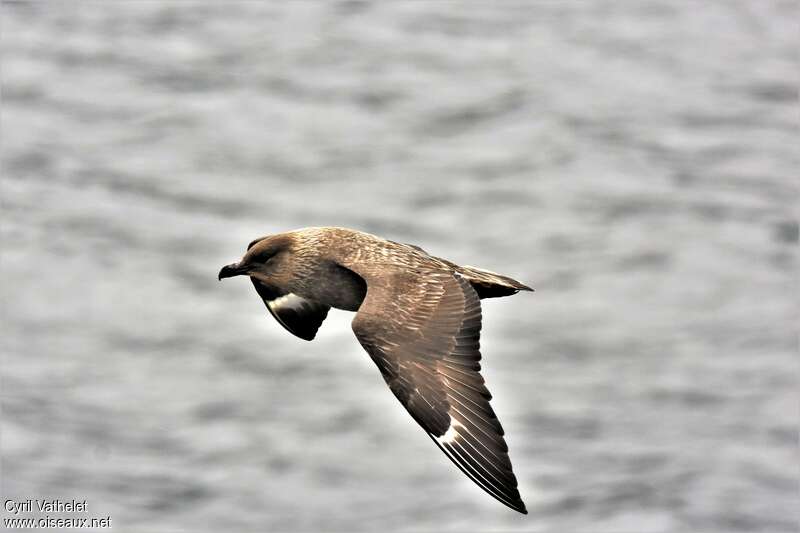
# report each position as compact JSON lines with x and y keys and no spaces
{"x":518,"y":506}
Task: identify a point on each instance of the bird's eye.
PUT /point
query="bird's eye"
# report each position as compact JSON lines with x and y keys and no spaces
{"x":264,"y":257}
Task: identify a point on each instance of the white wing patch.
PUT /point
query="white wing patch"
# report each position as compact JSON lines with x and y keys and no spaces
{"x":451,"y":433}
{"x":300,"y":316}
{"x":287,"y":309}
{"x":286,"y":302}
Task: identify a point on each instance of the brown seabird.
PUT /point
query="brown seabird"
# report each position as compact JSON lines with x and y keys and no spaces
{"x":419,"y":319}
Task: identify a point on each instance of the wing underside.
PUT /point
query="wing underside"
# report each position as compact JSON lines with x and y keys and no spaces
{"x":300,"y":316}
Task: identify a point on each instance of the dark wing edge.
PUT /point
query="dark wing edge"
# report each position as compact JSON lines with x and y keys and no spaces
{"x":299,"y":316}
{"x":433,"y":369}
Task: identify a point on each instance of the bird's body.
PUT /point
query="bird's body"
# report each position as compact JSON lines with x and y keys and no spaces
{"x":418,"y":317}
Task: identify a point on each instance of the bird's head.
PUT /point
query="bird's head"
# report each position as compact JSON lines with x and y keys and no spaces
{"x":268,"y":259}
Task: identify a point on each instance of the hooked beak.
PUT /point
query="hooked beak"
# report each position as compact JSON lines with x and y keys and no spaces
{"x":234,"y":269}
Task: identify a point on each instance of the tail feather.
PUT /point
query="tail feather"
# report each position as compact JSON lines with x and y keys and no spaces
{"x":490,"y":284}
{"x":486,"y":283}
{"x":481,"y":274}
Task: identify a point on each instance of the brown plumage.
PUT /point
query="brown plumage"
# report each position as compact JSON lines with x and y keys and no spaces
{"x":419,"y":319}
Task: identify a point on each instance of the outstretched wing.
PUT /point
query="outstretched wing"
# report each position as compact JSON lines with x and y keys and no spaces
{"x":300,"y":316}
{"x":423,"y":333}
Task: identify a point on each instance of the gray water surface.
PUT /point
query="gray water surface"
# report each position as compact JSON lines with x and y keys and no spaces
{"x":635,"y":162}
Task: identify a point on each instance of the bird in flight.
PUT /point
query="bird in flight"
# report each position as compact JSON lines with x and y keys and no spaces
{"x":417,"y":316}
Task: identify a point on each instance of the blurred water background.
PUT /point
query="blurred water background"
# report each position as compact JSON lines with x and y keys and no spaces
{"x":635,"y":162}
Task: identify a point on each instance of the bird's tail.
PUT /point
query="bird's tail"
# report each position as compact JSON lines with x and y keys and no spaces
{"x":486,"y":283}
{"x":490,"y":284}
